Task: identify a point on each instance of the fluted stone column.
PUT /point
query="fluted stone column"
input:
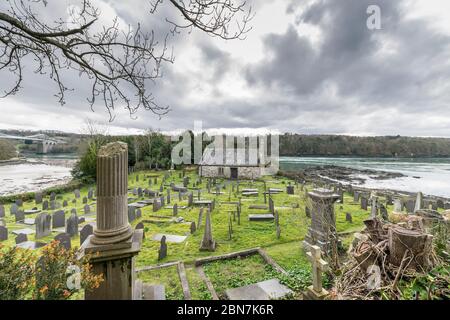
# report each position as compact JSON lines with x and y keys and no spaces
{"x":114,"y":244}
{"x":112,"y":195}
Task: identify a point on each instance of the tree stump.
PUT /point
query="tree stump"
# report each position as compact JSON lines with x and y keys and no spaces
{"x":418,"y":245}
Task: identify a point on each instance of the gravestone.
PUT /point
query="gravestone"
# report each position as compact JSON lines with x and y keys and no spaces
{"x":138,"y":213}
{"x":87,"y":209}
{"x":140,"y":226}
{"x":356,"y":196}
{"x":2,"y":211}
{"x":419,"y":202}
{"x":271,"y":205}
{"x":77,"y":194}
{"x":374,"y":208}
{"x":307,"y":212}
{"x":131,"y":214}
{"x":193,"y":227}
{"x":410,"y":205}
{"x":397,"y":205}
{"x":316,"y":291}
{"x":13,"y":209}
{"x":364,"y":203}
{"x":290,"y":189}
{"x":383,"y":212}
{"x":85,"y":200}
{"x":19,"y":202}
{"x":65,"y":203}
{"x":348,"y":217}
{"x":168,"y":196}
{"x":190,"y":199}
{"x":90,"y":193}
{"x":85,"y":232}
{"x":266,"y":290}
{"x":208,"y":243}
{"x":3,"y":233}
{"x":21,"y":237}
{"x":52,"y":196}
{"x":175,"y":210}
{"x":43,"y":225}
{"x":322,"y":231}
{"x":81,"y":220}
{"x":19,"y":216}
{"x":162,"y":201}
{"x":139,"y":192}
{"x":200,"y":218}
{"x":64,"y":240}
{"x":58,"y":219}
{"x":38,"y":197}
{"x":72,"y":225}
{"x":162,"y":252}
{"x":261,"y":217}
{"x":52,"y":204}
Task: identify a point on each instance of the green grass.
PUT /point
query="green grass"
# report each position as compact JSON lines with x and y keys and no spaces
{"x":166,"y":276}
{"x":286,"y":250}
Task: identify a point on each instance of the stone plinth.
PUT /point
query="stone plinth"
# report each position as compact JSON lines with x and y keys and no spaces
{"x":322,"y":231}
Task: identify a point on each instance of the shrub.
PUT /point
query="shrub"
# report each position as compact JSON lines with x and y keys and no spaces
{"x":60,"y":274}
{"x":16,"y":273}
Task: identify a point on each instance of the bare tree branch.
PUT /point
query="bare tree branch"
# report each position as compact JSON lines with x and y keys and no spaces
{"x":115,"y":61}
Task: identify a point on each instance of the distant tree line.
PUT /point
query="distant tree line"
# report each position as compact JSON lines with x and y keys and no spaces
{"x":387,"y":146}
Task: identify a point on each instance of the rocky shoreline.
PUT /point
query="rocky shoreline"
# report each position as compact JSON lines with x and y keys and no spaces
{"x":352,"y":178}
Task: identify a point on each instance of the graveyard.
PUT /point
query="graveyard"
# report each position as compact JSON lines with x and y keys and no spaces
{"x":211,"y":238}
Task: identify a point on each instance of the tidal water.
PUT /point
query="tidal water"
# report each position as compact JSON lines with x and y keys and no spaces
{"x":38,"y":173}
{"x":430,"y":175}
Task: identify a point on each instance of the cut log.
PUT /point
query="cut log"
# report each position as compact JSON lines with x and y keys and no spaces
{"x":365,"y":254}
{"x":418,"y":245}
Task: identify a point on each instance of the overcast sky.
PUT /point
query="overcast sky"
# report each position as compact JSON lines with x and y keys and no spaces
{"x":305,"y":67}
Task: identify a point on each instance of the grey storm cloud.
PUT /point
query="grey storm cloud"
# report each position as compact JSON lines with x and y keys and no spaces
{"x":351,"y":80}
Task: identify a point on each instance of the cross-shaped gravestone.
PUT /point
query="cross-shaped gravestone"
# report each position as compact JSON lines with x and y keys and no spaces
{"x":319,"y":265}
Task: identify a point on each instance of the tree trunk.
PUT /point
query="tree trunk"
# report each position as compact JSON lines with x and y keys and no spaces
{"x":418,"y":245}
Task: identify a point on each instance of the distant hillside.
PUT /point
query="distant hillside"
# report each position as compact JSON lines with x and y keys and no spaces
{"x":389,"y":146}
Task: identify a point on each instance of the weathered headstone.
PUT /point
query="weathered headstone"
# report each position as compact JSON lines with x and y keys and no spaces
{"x":162,"y":252}
{"x":52,"y":196}
{"x":85,"y":232}
{"x":45,"y":205}
{"x":138,"y":213}
{"x":72,"y":225}
{"x":290,"y":189}
{"x":58,"y":219}
{"x":190,"y":199}
{"x":87,"y":209}
{"x":43,"y":223}
{"x":364,"y":203}
{"x":65,"y":203}
{"x":193,"y":227}
{"x":208,"y":243}
{"x":13,"y":209}
{"x":19,"y":216}
{"x":90,"y":193}
{"x":410,"y":205}
{"x":397,"y":205}
{"x":3,"y":233}
{"x":348,"y":217}
{"x":38,"y":197}
{"x":2,"y":211}
{"x":64,"y":240}
{"x":52,"y":204}
{"x":374,"y":208}
{"x":21,"y":237}
{"x":131,"y":214}
{"x":77,"y":193}
{"x":383,"y":212}
{"x":322,"y":231}
{"x":200,"y":218}
{"x":85,"y":200}
{"x":140,"y":226}
{"x":419,"y":202}
{"x":175,"y":210}
{"x":168,"y":196}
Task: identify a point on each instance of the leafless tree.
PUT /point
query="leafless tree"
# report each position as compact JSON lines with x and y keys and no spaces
{"x":116,"y":62}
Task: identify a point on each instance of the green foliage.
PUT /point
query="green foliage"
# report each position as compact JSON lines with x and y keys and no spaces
{"x":7,"y":150}
{"x":432,"y":286}
{"x":53,"y":276}
{"x":16,"y":273}
{"x":388,"y":146}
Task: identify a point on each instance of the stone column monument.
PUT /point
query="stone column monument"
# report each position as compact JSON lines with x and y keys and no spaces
{"x":114,"y":243}
{"x":322,"y":232}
